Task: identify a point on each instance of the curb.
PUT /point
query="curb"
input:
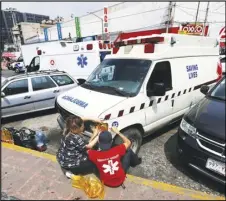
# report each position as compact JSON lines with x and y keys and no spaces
{"x":137,"y":180}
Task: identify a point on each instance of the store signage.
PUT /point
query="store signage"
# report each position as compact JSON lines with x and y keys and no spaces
{"x":105,"y":25}
{"x":192,"y":29}
{"x":77,"y":26}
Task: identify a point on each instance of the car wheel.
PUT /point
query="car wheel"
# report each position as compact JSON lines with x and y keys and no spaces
{"x":17,"y":70}
{"x":134,"y":135}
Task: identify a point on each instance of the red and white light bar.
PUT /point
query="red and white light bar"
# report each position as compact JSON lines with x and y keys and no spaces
{"x":105,"y":46}
{"x":139,"y":41}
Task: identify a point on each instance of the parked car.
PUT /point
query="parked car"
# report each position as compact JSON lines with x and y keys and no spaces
{"x":19,"y":63}
{"x":19,"y":69}
{"x":201,"y":135}
{"x":33,"y":92}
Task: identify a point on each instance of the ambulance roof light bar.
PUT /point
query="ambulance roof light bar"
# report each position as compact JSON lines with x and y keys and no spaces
{"x":157,"y":39}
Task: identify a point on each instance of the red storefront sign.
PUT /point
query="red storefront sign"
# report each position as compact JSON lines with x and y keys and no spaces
{"x":194,"y":29}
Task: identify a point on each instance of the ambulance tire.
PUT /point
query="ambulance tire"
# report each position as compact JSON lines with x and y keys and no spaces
{"x":134,"y":135}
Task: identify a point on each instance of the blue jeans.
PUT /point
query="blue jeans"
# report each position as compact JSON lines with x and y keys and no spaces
{"x":129,"y":159}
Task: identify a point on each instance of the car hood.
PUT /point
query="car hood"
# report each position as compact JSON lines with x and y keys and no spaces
{"x":208,"y":116}
{"x":87,"y":103}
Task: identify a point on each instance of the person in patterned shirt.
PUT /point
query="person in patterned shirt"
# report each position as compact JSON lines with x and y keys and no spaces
{"x":72,"y":154}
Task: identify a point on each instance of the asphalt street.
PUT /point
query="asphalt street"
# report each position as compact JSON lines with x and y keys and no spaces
{"x":8,"y":73}
{"x":158,"y":152}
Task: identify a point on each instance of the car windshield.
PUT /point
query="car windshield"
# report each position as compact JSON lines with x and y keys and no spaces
{"x":219,"y":91}
{"x":122,"y":77}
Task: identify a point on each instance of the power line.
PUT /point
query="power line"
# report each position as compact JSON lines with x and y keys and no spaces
{"x":199,"y":10}
{"x":218,"y":7}
{"x":127,"y":15}
{"x":186,"y":12}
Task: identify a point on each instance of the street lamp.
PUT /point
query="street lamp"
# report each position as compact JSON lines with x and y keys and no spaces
{"x":102,"y":23}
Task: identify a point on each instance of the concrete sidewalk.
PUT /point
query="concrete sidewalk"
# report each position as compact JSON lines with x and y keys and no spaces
{"x":27,"y":174}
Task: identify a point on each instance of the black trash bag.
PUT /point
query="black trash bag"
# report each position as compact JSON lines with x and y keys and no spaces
{"x":27,"y":138}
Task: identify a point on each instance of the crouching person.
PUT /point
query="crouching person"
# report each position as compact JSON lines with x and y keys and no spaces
{"x":113,"y":162}
{"x":72,"y":154}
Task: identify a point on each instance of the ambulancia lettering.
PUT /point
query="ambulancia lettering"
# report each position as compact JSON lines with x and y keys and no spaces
{"x":76,"y":101}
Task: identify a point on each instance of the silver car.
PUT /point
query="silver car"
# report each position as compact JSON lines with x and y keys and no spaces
{"x":33,"y":92}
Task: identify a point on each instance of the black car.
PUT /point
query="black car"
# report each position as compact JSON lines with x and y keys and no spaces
{"x":201,"y":135}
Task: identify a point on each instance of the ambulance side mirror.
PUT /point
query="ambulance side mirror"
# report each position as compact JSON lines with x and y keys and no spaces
{"x":158,"y":89}
{"x":2,"y":94}
{"x":204,"y":89}
{"x":81,"y":81}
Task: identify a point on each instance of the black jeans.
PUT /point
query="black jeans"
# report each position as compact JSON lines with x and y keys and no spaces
{"x":85,"y":167}
{"x":129,"y":159}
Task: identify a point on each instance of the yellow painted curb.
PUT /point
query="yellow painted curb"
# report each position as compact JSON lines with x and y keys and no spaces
{"x":138,"y":180}
{"x":30,"y":151}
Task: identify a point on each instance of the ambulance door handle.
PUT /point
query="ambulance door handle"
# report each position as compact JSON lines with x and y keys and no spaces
{"x":172,"y":101}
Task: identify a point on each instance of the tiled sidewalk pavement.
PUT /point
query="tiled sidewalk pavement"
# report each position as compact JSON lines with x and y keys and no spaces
{"x":27,"y":174}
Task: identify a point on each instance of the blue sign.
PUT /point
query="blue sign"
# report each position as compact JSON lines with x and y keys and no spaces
{"x":46,"y":34}
{"x":59,"y":31}
{"x":76,"y":101}
{"x":115,"y":124}
{"x":192,"y":71}
{"x":82,"y":61}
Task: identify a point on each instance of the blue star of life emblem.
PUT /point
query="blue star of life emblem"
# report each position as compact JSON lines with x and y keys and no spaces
{"x":82,"y":61}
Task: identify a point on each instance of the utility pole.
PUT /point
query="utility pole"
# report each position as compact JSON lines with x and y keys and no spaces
{"x":169,"y":16}
{"x":102,"y":23}
{"x":197,"y":13}
{"x":207,"y":11}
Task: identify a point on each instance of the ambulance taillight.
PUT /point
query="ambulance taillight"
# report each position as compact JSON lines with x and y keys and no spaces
{"x":149,"y":48}
{"x":100,"y":45}
{"x":89,"y":46}
{"x":39,"y":52}
{"x":219,"y":71}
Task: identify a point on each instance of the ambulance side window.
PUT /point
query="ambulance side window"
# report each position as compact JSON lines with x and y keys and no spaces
{"x":161,"y":74}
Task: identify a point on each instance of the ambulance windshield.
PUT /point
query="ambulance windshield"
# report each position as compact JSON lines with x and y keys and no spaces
{"x":122,"y":77}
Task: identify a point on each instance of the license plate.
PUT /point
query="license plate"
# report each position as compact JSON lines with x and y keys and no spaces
{"x":216,"y":166}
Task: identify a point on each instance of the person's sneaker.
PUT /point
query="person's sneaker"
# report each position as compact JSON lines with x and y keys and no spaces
{"x":68,"y":175}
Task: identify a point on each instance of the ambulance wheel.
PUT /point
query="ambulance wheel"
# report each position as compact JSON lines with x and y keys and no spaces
{"x":17,"y":71}
{"x":134,"y":135}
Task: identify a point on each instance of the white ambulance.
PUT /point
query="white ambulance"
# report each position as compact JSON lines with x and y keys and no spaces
{"x":77,"y":59}
{"x":147,"y":83}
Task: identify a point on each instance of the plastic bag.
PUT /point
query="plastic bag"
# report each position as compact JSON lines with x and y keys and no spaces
{"x":7,"y":136}
{"x":93,"y":187}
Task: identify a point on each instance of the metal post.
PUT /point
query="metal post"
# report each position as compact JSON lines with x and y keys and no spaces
{"x":169,"y":16}
{"x":207,"y":10}
{"x":197,"y":13}
{"x":102,"y":22}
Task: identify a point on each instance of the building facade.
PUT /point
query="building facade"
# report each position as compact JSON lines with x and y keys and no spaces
{"x":11,"y":18}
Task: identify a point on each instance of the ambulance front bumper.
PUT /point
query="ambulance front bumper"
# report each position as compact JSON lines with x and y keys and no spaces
{"x":61,"y":122}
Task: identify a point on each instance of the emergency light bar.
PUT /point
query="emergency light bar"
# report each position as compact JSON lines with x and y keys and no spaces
{"x":105,"y":45}
{"x":139,"y":41}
